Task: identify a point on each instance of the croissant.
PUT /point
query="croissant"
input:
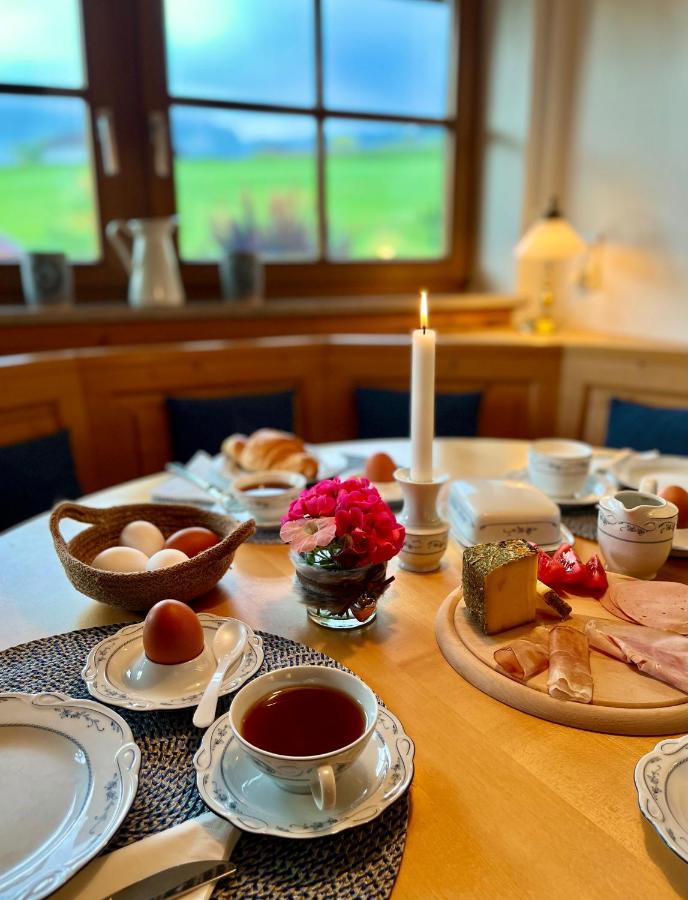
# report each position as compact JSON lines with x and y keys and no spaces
{"x":269,"y":448}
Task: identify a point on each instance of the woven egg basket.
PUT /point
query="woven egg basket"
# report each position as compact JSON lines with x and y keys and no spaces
{"x":138,"y":591}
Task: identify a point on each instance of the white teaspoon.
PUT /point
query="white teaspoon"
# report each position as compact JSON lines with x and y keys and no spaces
{"x":228,"y":645}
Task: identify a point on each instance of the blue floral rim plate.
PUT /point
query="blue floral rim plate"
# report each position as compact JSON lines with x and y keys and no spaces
{"x":109,"y":660}
{"x":661,"y":780}
{"x":233,"y":787}
{"x":68,"y":775}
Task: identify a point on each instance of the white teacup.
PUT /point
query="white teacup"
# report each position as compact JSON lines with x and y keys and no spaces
{"x":301,"y":774}
{"x":559,"y":467}
{"x":267,"y":495}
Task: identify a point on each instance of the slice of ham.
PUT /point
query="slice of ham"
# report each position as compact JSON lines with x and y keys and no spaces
{"x":656,"y":604}
{"x":608,"y":603}
{"x":659,"y":654}
{"x":526,"y":656}
{"x":569,"y":665}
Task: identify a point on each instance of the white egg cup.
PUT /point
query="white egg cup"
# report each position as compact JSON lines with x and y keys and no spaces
{"x":427,"y":533}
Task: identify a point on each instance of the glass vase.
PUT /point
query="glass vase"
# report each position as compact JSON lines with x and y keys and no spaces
{"x":341,"y":598}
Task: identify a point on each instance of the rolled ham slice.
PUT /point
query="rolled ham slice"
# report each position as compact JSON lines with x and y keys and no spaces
{"x":569,"y":665}
{"x":526,"y":656}
{"x":660,"y":654}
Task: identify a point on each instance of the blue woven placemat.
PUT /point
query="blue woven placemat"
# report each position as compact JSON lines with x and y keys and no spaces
{"x":359,"y":863}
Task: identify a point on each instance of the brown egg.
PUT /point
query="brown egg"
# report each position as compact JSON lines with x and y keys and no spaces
{"x":380,"y":467}
{"x":676,"y":495}
{"x":192,"y":540}
{"x":172,"y":633}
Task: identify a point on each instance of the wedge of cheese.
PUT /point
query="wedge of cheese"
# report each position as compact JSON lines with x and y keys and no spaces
{"x":499,"y":584}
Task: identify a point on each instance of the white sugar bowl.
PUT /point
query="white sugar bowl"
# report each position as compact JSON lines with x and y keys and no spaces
{"x":635,"y":532}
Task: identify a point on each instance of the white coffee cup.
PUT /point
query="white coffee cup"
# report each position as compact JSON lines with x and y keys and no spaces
{"x":559,"y":467}
{"x":267,"y":505}
{"x":301,"y":774}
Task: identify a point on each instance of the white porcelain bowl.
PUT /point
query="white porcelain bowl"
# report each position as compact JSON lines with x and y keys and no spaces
{"x":267,"y":505}
{"x":559,"y":467}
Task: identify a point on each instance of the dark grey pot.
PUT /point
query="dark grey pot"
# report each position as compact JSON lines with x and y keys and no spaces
{"x":241,"y":277}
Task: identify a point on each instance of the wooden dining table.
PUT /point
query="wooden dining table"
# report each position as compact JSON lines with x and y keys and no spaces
{"x":503,"y":804}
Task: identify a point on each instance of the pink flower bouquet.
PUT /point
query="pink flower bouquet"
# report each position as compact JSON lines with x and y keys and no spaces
{"x":342,"y":534}
{"x":342,"y":525}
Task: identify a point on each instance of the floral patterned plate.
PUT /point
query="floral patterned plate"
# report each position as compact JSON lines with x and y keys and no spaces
{"x":114,"y":670}
{"x":236,"y":789}
{"x":68,"y":775}
{"x":661,"y":779}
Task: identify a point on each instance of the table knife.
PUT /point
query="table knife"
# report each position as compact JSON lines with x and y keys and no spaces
{"x":175,"y":881}
{"x":210,"y":489}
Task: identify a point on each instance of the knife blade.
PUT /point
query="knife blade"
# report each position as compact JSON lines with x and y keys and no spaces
{"x":175,"y":881}
{"x":225,"y":500}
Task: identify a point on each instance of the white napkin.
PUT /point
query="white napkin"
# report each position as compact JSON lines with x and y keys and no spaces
{"x":207,"y":837}
{"x":177,"y":490}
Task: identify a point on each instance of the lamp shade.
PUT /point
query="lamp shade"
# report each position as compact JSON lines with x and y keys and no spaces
{"x":550,"y":239}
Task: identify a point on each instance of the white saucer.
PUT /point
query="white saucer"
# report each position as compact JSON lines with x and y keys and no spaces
{"x":566,"y":537}
{"x":235,"y":789}
{"x":661,"y":780}
{"x":110,"y":661}
{"x":631,"y":469}
{"x":597,"y":486}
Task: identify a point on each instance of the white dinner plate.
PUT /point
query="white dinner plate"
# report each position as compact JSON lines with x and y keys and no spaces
{"x":110,"y":662}
{"x":598,"y":484}
{"x":630,"y":470}
{"x":68,"y":775}
{"x":330,"y":463}
{"x":237,"y":790}
{"x":661,"y":780}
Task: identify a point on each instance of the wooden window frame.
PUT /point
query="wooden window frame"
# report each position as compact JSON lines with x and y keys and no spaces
{"x":126,"y":72}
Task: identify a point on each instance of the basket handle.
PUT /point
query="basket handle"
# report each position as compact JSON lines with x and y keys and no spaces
{"x":92,"y":515}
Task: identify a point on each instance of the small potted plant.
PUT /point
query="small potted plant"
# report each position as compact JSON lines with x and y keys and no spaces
{"x":342,"y":535}
{"x":241,"y":270}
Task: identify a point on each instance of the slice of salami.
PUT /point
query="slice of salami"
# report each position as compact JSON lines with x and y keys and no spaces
{"x":656,"y":604}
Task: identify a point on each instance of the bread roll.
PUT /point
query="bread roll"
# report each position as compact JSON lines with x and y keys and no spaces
{"x":269,"y":448}
{"x":233,"y":445}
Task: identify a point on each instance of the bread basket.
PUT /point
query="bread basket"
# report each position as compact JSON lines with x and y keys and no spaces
{"x":138,"y":591}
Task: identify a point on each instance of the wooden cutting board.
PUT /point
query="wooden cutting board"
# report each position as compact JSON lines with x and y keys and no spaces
{"x":624,"y":700}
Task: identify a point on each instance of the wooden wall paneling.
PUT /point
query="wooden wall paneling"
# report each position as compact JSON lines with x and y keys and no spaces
{"x":591,"y":377}
{"x":41,"y":394}
{"x":125,"y":393}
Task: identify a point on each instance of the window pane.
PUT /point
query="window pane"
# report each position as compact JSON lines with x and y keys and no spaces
{"x":387,"y":56}
{"x":246,"y":177}
{"x":253,"y":51}
{"x":40,"y":43}
{"x":47,"y":200}
{"x":385,"y":190}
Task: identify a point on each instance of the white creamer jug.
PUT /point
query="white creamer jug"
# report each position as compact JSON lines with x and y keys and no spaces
{"x":152,"y":265}
{"x":635,"y":531}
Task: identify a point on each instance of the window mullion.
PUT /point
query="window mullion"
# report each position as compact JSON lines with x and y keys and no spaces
{"x":321,"y":189}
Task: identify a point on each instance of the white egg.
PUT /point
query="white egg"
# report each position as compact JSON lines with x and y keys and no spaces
{"x":164,"y":558}
{"x":120,"y":559}
{"x":143,"y":536}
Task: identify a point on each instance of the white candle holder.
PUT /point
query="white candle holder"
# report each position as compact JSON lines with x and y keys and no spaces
{"x":426,"y":533}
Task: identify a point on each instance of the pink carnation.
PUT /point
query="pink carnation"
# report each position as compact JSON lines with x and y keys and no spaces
{"x":366,"y":530}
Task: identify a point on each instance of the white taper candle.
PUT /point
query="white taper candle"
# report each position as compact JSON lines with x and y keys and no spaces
{"x":422,"y":396}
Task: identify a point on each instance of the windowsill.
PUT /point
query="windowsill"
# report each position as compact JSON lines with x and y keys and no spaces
{"x":331,"y":306}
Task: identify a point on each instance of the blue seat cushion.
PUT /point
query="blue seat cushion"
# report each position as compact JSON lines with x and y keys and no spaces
{"x":386,"y":414}
{"x":34,"y":475}
{"x":647,"y":427}
{"x":202,"y":423}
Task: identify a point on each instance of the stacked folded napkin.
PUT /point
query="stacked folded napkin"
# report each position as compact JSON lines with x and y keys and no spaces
{"x":207,"y":837}
{"x":177,"y":490}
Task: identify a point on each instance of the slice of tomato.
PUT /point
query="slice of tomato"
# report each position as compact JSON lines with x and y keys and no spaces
{"x":595,"y":577}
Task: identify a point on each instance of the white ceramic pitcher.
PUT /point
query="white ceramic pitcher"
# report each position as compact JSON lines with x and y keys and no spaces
{"x":635,"y":531}
{"x":151,"y":263}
